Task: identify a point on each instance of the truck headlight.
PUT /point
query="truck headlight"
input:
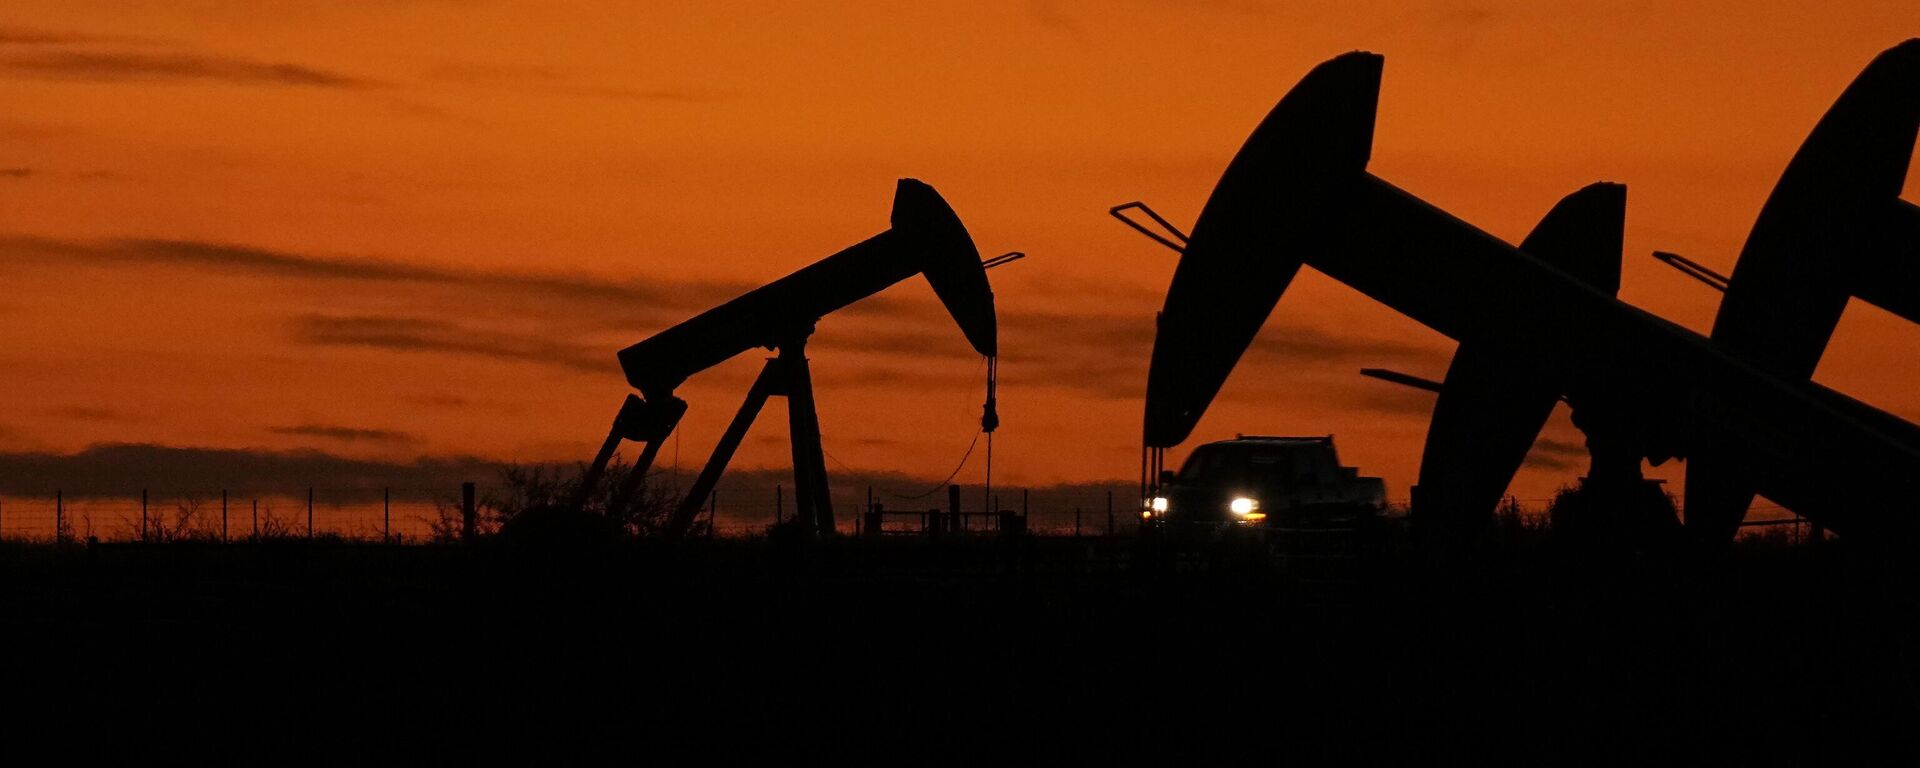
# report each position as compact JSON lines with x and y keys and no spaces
{"x":1243,"y":505}
{"x":1158,"y":504}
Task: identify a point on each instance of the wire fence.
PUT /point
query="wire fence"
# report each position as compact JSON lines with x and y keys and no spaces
{"x":394,"y":515}
{"x":1763,"y":519}
{"x":422,"y":515}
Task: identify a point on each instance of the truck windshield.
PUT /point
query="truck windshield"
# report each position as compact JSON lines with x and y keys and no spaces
{"x":1256,"y":466}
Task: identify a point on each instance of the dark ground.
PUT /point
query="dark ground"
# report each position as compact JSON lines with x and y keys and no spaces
{"x":1532,"y":656}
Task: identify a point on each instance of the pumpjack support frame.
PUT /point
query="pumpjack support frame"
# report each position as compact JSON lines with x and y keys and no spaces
{"x":788,"y":376}
{"x":926,"y":238}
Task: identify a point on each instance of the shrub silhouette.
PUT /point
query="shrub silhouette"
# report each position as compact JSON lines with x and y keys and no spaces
{"x":1627,"y":518}
{"x":540,"y":505}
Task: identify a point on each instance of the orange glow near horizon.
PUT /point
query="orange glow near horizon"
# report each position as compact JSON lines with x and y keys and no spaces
{"x":437,"y":167}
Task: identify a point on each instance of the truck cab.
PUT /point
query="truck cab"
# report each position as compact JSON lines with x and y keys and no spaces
{"x":1259,"y":480}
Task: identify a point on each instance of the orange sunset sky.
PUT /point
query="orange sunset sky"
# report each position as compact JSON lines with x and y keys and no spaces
{"x":422,"y":228}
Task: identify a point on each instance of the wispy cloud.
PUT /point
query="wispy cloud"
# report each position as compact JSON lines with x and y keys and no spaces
{"x":112,"y":67}
{"x":18,"y":36}
{"x":680,"y":95}
{"x":1104,"y":355}
{"x":544,"y":80}
{"x":1549,"y":453}
{"x":27,"y":36}
{"x":532,"y":317}
{"x":925,"y":329}
{"x":414,"y":334}
{"x":1049,"y":14}
{"x":440,"y":400}
{"x":35,"y":132}
{"x":124,"y":468}
{"x":81,"y":57}
{"x":1060,"y":348}
{"x":87,"y":413}
{"x":240,"y":259}
{"x":1458,"y":17}
{"x":344,"y":434}
{"x":577,"y":323}
{"x":1381,"y":397}
{"x":23,"y":173}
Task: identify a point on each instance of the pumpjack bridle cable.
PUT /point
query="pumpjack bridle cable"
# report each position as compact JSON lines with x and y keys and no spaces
{"x":992,"y":366}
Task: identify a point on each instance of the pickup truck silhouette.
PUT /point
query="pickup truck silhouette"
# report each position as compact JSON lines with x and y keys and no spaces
{"x":1259,"y":480}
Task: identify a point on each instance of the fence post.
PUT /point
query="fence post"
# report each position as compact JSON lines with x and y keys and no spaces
{"x":223,"y":516}
{"x":952,"y":522}
{"x":469,"y":527}
{"x":713,"y":513}
{"x":309,"y":513}
{"x":386,"y":515}
{"x":143,"y":514}
{"x":777,"y":502}
{"x":256,"y":519}
{"x":1076,"y":522}
{"x":59,"y":516}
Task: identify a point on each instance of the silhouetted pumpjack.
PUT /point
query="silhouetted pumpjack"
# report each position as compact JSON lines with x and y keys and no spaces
{"x":1299,"y":193}
{"x":1492,"y":405}
{"x":926,"y":238}
{"x":1833,"y":228}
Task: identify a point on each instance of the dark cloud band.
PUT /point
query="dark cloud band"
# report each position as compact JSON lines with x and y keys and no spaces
{"x":111,"y":67}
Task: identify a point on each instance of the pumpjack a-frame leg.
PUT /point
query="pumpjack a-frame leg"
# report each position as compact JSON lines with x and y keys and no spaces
{"x":764,"y":386}
{"x":633,"y":406}
{"x":639,"y":421}
{"x":787,"y":376}
{"x":630,"y":484}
